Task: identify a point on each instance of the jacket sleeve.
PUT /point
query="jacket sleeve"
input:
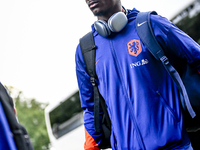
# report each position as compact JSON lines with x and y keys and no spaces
{"x":176,"y":41}
{"x":92,"y":138}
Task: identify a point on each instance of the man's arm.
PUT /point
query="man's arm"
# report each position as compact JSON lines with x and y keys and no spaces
{"x":172,"y":39}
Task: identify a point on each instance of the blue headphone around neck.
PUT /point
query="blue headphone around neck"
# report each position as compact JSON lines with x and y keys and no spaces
{"x":115,"y":24}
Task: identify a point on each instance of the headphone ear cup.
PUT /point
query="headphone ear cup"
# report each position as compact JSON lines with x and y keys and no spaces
{"x":102,"y":28}
{"x":117,"y":22}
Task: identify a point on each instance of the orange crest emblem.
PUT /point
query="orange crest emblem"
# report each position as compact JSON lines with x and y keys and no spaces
{"x":134,"y":47}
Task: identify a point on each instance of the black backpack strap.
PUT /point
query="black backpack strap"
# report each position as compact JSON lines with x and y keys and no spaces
{"x":88,"y":48}
{"x":146,"y":34}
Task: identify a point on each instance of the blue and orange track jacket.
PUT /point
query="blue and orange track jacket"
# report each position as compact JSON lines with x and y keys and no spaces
{"x":142,"y":100}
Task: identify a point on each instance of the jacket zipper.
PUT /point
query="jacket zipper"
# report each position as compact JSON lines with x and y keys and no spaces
{"x":128,"y":101}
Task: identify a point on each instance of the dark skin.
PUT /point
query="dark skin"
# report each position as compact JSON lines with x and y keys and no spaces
{"x":104,"y":9}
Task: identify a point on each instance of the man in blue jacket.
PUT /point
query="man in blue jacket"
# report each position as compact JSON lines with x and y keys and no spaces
{"x":142,"y":100}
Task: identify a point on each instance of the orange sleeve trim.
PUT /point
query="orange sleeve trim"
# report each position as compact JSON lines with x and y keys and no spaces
{"x":90,"y":143}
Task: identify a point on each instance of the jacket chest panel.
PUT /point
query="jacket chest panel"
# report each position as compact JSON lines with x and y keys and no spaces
{"x":128,"y":53}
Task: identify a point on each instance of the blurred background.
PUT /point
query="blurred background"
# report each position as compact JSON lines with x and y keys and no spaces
{"x":38,"y":40}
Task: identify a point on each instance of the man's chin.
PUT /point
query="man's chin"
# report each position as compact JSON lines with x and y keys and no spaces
{"x":96,"y":12}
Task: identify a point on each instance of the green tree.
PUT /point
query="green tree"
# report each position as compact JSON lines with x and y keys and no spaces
{"x":191,"y":26}
{"x":30,"y":113}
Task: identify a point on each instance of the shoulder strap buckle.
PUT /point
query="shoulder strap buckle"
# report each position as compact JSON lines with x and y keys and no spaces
{"x":92,"y":80}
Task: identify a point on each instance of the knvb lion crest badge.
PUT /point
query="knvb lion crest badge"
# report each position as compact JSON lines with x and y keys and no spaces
{"x":134,"y":47}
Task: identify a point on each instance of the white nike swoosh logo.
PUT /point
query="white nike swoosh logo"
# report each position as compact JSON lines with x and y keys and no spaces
{"x":139,"y":24}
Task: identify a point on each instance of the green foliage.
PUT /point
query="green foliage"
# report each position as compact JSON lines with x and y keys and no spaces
{"x":191,"y":26}
{"x":31,"y":114}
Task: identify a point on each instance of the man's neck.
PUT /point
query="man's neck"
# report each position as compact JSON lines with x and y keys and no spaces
{"x":106,"y":15}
